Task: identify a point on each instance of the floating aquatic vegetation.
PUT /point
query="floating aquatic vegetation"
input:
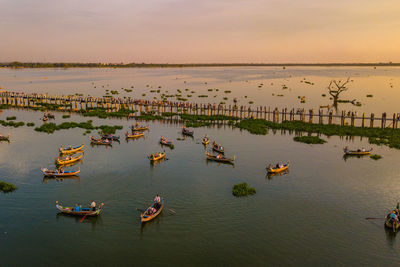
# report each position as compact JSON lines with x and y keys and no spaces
{"x":243,"y":189}
{"x":12,"y":123}
{"x":11,"y":118}
{"x":202,"y":96}
{"x":369,"y":95}
{"x":30,"y":124}
{"x":114,"y":92}
{"x":251,"y":102}
{"x":309,"y":139}
{"x":52,"y":127}
{"x":66,"y":116}
{"x":7,"y":187}
{"x":375,"y":156}
{"x":227,"y":92}
{"x":209,"y":90}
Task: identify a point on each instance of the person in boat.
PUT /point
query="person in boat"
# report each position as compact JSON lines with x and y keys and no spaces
{"x":77,"y":207}
{"x":219,"y":156}
{"x":61,"y":170}
{"x":93,"y":205}
{"x":277,"y":166}
{"x":157,"y":199}
{"x":363,"y":149}
{"x":70,"y":147}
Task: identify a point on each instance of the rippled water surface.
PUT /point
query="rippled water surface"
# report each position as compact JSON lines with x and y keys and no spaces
{"x":315,"y":214}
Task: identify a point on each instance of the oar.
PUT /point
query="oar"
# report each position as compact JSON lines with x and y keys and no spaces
{"x":372,"y":218}
{"x":83,"y":218}
{"x":172,"y":210}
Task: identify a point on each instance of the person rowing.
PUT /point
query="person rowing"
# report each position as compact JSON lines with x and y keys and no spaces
{"x":93,"y":205}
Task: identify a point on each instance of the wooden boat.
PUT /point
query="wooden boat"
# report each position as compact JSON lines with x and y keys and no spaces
{"x":70,"y":149}
{"x":68,"y":160}
{"x":218,"y":148}
{"x":95,"y":141}
{"x":59,"y":173}
{"x":391,"y":223}
{"x":205,"y":141}
{"x":187,"y":132}
{"x":144,"y":217}
{"x":110,"y":137}
{"x":219,"y":158}
{"x":139,"y":128}
{"x":83,"y":212}
{"x":164,"y":142}
{"x":4,"y":138}
{"x":358,"y":152}
{"x":159,"y":156}
{"x":271,"y":169}
{"x":134,"y":134}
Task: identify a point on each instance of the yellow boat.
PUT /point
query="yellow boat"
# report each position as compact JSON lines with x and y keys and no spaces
{"x":134,"y":135}
{"x":391,"y":223}
{"x":145,"y":217}
{"x":284,"y":167}
{"x":205,"y":141}
{"x":359,"y":152}
{"x":70,"y":149}
{"x":68,"y":159}
{"x":159,"y":156}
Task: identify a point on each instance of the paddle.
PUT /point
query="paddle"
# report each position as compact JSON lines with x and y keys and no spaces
{"x":172,"y":210}
{"x":372,"y":218}
{"x":83,"y":218}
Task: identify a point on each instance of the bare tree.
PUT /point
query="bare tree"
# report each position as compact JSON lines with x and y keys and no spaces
{"x":335,"y":88}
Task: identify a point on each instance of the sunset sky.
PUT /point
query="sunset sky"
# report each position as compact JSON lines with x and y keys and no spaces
{"x":189,"y":31}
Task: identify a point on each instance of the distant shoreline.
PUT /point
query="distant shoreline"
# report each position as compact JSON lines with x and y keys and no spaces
{"x":190,"y":65}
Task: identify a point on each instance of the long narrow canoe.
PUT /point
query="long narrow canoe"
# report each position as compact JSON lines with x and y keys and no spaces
{"x":59,"y":173}
{"x":153,"y":158}
{"x":219,"y":158}
{"x":68,"y":160}
{"x":70,"y":149}
{"x":218,"y":148}
{"x":95,"y":141}
{"x":83,"y":212}
{"x":391,"y":223}
{"x":140,"y":128}
{"x":145,"y":217}
{"x":187,"y":132}
{"x":134,"y":135}
{"x":271,"y":169}
{"x":165,"y":142}
{"x":356,"y":152}
{"x":4,"y":138}
{"x":110,"y":137}
{"x":205,"y":141}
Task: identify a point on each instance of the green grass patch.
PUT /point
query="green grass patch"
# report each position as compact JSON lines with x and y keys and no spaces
{"x":7,"y":187}
{"x":309,"y":139}
{"x":12,"y":118}
{"x":378,"y":136}
{"x":30,"y":124}
{"x":369,"y":95}
{"x":52,"y":127}
{"x":66,"y":116}
{"x":243,"y":189}
{"x":375,"y":156}
{"x":12,"y":123}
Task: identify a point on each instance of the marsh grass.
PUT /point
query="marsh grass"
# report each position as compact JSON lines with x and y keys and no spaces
{"x":309,"y":139}
{"x":375,"y":157}
{"x":7,"y":187}
{"x":243,"y":189}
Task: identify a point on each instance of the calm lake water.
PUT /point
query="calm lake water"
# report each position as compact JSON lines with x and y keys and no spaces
{"x":314,"y":215}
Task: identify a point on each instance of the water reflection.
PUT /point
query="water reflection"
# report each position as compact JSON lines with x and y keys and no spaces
{"x":74,"y":177}
{"x":390,"y":236}
{"x":92,"y":220}
{"x":346,"y":156}
{"x":271,"y":175}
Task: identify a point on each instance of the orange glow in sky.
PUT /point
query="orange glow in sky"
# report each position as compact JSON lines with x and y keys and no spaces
{"x":207,"y":31}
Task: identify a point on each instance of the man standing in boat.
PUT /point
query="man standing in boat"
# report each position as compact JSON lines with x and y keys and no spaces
{"x":93,"y":205}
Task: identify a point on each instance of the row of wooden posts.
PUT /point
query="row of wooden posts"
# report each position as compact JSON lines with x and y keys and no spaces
{"x":75,"y":103}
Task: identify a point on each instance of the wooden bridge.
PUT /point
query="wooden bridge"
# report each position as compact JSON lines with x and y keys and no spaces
{"x":73,"y":103}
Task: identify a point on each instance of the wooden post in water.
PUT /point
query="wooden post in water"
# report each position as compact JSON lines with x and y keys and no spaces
{"x":371,"y":123}
{"x":269,"y":113}
{"x":352,"y":119}
{"x":311,"y":116}
{"x":363,"y":120}
{"x":394,"y":121}
{"x":383,"y":120}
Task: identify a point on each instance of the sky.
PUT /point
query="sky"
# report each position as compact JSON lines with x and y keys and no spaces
{"x":200,"y":31}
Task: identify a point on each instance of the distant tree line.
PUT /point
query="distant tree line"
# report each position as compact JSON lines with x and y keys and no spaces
{"x":17,"y":64}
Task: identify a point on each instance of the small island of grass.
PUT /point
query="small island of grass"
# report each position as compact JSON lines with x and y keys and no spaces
{"x":309,"y":139}
{"x":375,"y":156}
{"x":7,"y":187}
{"x":243,"y":189}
